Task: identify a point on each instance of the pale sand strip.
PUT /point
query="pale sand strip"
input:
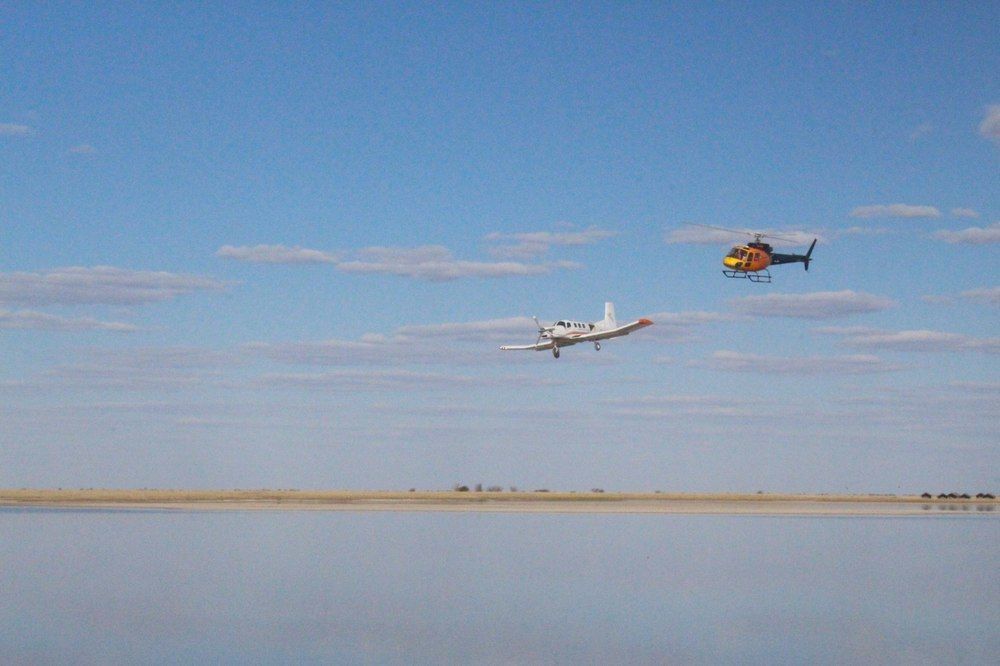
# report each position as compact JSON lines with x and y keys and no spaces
{"x":519,"y":502}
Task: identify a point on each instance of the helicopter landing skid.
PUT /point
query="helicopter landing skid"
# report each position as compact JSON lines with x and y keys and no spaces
{"x":755,"y":276}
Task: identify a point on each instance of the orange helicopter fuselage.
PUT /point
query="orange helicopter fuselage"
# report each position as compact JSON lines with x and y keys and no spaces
{"x":748,"y":258}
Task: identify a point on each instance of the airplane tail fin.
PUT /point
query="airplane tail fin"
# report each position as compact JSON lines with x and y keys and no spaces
{"x":609,"y":315}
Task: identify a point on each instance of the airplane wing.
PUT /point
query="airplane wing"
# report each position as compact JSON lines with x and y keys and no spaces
{"x":541,"y":346}
{"x":614,"y":332}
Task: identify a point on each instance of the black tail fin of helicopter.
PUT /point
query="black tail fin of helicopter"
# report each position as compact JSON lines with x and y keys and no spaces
{"x":806,"y":259}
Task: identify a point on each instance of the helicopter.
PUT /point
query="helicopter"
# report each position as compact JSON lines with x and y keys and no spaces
{"x":751,"y":260}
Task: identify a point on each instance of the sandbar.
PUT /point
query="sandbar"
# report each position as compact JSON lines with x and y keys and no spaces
{"x":762,"y":504}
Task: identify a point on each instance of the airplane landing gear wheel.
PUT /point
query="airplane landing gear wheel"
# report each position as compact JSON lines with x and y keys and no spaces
{"x":597,"y":346}
{"x":555,"y":352}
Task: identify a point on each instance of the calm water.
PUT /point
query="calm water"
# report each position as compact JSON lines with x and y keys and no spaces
{"x":400,"y":588}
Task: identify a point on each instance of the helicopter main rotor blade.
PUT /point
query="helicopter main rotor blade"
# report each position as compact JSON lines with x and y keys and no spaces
{"x":745,"y":232}
{"x":753,"y":234}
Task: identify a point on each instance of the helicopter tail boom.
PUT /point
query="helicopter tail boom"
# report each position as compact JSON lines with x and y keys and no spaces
{"x":777,"y":259}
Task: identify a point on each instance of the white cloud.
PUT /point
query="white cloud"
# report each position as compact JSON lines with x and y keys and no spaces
{"x":990,"y":388}
{"x":912,"y":340}
{"x":857,"y":364}
{"x":964,"y":212}
{"x":99,"y":284}
{"x":87,"y":376}
{"x":699,"y":235}
{"x":371,"y":379}
{"x":10,"y":129}
{"x":990,"y":127}
{"x":862,"y":231}
{"x":676,"y":405}
{"x":680,"y":326}
{"x":695,"y":235}
{"x":171,"y":358}
{"x":32,"y":320}
{"x":972,"y":235}
{"x":989,"y":295}
{"x":815,"y":305}
{"x":474,"y":342}
{"x":435,"y":263}
{"x":895,"y":210}
{"x":487,"y":330}
{"x":276,"y":254}
{"x":138,"y":369}
{"x":528,"y":245}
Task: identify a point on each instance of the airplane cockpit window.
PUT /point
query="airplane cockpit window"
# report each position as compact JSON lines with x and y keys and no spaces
{"x":561,"y":323}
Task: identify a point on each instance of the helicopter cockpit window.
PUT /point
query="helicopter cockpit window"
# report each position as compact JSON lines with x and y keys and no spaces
{"x":734,"y":253}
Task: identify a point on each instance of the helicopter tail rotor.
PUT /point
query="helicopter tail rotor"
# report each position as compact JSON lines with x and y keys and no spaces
{"x":808,"y":256}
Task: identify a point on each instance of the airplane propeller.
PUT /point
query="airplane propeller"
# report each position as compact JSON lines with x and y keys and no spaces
{"x":542,"y":330}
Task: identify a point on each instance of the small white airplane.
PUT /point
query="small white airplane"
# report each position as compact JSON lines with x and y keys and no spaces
{"x":566,"y":332}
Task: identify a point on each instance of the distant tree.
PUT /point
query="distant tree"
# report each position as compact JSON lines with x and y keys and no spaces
{"x":461,"y":489}
{"x":494,"y":489}
{"x":479,"y":487}
{"x":597,"y":490}
{"x":513,"y":489}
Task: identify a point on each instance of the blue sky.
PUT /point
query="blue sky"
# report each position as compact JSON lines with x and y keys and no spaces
{"x":279,"y":245}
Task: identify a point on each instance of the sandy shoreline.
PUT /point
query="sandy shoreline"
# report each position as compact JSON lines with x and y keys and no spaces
{"x":506,"y":502}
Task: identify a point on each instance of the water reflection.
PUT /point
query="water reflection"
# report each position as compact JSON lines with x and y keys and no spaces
{"x":293,"y":587}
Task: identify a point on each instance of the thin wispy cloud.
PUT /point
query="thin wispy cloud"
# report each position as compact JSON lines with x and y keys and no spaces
{"x":815,"y":305}
{"x":87,"y":376}
{"x":276,"y":254}
{"x":353,"y":379}
{"x":681,"y":326}
{"x":474,"y":342}
{"x":863,"y":231}
{"x":963,"y":212}
{"x":490,"y":330}
{"x":529,"y":245}
{"x":99,"y":284}
{"x":172,"y":358}
{"x":895,"y":210}
{"x":41,"y":321}
{"x":435,"y":263}
{"x":912,"y":340}
{"x":988,"y":295}
{"x":733,"y":361}
{"x":989,"y":128}
{"x":972,"y":235}
{"x":12,"y":129}
{"x":680,"y":405}
{"x":138,"y":369}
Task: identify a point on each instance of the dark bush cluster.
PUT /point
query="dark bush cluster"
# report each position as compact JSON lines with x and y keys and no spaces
{"x":959,"y":496}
